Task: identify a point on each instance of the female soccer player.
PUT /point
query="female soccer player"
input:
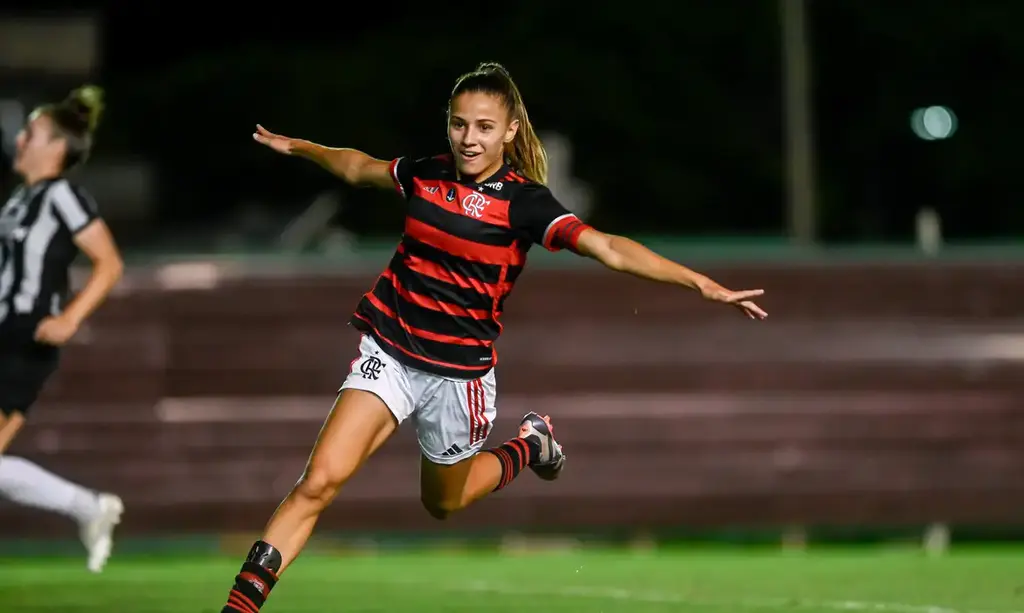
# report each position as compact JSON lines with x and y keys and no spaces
{"x":42,"y":227}
{"x":430,"y":321}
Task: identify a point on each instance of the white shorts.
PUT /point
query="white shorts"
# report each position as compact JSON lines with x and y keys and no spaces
{"x":453,"y":417}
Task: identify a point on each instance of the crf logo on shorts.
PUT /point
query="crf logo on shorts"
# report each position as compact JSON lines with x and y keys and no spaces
{"x":371,"y":368}
{"x":453,"y":417}
{"x":474,"y":205}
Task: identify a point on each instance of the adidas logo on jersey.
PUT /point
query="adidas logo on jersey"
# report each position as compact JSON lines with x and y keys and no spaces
{"x":495,"y":186}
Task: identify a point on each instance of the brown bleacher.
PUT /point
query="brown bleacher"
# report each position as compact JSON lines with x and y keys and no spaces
{"x":872,"y":395}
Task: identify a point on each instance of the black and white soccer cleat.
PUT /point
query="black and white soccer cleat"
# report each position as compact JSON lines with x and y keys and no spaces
{"x":539,"y":429}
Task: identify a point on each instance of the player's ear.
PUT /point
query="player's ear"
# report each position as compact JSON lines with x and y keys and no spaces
{"x":513,"y":129}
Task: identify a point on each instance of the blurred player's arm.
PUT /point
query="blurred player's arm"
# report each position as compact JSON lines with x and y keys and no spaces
{"x":350,"y":165}
{"x":78,"y":214}
{"x":96,"y":241}
{"x":10,"y":425}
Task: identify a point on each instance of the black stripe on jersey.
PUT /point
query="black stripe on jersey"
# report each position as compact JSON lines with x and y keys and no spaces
{"x":485,"y":273}
{"x":442,"y":352}
{"x":441,"y":290}
{"x":460,"y":225}
{"x":513,"y":273}
{"x":434,"y":321}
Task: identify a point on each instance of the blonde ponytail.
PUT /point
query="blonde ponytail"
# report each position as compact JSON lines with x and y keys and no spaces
{"x":526,"y":151}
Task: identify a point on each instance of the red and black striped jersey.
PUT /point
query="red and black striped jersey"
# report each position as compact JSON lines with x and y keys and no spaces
{"x":437,"y":306}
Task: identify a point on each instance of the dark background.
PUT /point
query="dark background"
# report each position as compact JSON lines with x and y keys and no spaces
{"x":674,"y":110}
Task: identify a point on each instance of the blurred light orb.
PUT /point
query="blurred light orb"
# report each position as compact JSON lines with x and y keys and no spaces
{"x":933,"y":122}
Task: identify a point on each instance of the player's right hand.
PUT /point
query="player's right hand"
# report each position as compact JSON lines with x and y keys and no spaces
{"x":280,"y":144}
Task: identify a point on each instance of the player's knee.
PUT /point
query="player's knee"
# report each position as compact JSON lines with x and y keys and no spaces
{"x":440,"y":508}
{"x":320,"y":483}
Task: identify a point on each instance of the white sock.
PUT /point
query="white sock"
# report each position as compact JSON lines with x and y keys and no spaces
{"x":28,"y":484}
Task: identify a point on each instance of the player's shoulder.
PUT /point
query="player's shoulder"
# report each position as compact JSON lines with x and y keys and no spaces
{"x":63,"y":190}
{"x":438,"y":166}
{"x":513,"y":186}
{"x":65,"y":187}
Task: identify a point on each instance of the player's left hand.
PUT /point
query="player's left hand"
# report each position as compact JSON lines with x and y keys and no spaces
{"x":740,"y":299}
{"x":56,"y":330}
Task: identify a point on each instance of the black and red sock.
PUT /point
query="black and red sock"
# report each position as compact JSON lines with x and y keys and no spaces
{"x":515,"y":455}
{"x":255,"y":580}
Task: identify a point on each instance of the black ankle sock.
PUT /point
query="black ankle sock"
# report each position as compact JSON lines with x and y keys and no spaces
{"x":255,"y":580}
{"x":515,"y":455}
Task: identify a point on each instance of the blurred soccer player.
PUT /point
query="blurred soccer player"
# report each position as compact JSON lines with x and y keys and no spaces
{"x":42,"y":227}
{"x":430,"y":322}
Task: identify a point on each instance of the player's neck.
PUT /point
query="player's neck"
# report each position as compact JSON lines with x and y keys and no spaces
{"x":38,"y":176}
{"x":487,"y":173}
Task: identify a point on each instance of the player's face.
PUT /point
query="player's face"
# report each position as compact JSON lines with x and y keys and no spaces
{"x":478,"y":130}
{"x":35,"y":147}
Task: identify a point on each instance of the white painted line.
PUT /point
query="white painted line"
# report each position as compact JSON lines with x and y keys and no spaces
{"x":613,"y":593}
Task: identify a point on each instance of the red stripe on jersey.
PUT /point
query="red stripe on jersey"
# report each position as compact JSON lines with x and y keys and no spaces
{"x":393,"y":171}
{"x":442,"y":273}
{"x":462,"y":248}
{"x":432,"y":303}
{"x":512,"y":176}
{"x":380,"y":336}
{"x":467,"y":202}
{"x":425,"y":334}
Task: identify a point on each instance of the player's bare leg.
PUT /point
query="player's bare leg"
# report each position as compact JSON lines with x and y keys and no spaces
{"x":358,"y":425}
{"x":447,"y":489}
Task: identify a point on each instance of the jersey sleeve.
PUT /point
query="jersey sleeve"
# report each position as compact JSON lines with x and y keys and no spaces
{"x":403,"y":170}
{"x":536,"y":212}
{"x":74,"y":206}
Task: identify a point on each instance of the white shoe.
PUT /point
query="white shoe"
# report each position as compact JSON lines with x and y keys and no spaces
{"x":98,"y":534}
{"x":552,"y":459}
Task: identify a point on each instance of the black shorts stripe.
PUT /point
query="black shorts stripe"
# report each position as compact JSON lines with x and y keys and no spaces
{"x":24,"y":371}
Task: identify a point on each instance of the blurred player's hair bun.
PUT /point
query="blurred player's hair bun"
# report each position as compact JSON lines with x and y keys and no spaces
{"x":86,"y":104}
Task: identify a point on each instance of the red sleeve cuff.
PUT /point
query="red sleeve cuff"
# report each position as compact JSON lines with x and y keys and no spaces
{"x":563,"y":233}
{"x":393,"y":171}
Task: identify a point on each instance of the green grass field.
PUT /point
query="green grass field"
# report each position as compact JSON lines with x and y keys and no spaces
{"x":728,"y":581}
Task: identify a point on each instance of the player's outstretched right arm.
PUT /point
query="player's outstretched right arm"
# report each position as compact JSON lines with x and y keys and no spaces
{"x":354,"y":167}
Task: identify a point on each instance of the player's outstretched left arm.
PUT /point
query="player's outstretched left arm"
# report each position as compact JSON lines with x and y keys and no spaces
{"x":625,"y":255}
